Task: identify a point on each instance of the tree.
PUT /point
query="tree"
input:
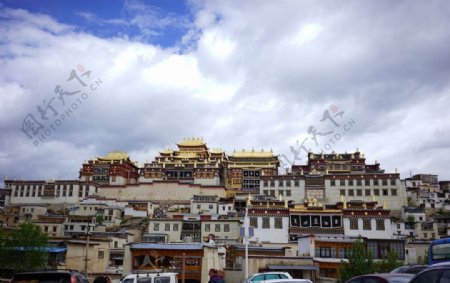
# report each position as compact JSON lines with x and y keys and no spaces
{"x":99,"y":218}
{"x":423,"y":260}
{"x":359,"y":262}
{"x":24,"y":248}
{"x":388,"y":263}
{"x":410,"y":218}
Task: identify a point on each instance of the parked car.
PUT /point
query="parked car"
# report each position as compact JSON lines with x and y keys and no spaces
{"x":436,"y":273}
{"x":151,"y":277}
{"x":411,"y":269}
{"x":267,"y":276}
{"x":286,"y":281}
{"x":49,"y":276}
{"x":382,"y":278}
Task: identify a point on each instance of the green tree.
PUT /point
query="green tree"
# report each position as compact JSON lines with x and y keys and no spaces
{"x":24,"y":248}
{"x":410,"y":218}
{"x":388,"y":263}
{"x":99,"y":218}
{"x":424,"y":259}
{"x":359,"y":262}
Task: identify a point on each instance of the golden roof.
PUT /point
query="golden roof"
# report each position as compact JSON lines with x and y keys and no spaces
{"x":166,"y":151}
{"x":216,"y":150}
{"x":187,"y":154}
{"x":252,"y":153}
{"x":115,"y":155}
{"x":192,"y":142}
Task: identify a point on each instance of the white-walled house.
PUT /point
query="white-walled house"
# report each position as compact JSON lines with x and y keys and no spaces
{"x":270,"y":221}
{"x":367,"y":220}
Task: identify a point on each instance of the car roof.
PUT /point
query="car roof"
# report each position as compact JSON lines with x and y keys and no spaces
{"x":387,"y":275}
{"x":439,"y":264}
{"x":149,"y":274}
{"x":272,"y":272}
{"x":409,"y":268}
{"x":286,"y":280}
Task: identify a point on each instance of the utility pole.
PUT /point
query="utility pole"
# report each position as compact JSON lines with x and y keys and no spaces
{"x":183,"y":269}
{"x":87,"y":252}
{"x":246,"y":235}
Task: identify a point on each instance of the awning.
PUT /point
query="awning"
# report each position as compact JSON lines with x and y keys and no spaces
{"x":293,"y":267}
{"x":56,"y":250}
{"x":44,"y":249}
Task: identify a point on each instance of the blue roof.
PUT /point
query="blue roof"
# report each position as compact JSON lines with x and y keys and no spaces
{"x":168,"y":246}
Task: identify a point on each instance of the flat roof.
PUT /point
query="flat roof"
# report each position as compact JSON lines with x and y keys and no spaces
{"x":167,"y":246}
{"x":293,"y":267}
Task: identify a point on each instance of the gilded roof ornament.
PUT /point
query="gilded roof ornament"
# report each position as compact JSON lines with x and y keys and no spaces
{"x":115,"y":155}
{"x":252,"y":153}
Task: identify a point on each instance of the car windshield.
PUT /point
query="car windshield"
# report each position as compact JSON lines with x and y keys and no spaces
{"x":400,"y":269}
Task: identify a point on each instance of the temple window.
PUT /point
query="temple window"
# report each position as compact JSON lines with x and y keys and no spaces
{"x":354,"y":224}
{"x":380,"y":224}
{"x":266,"y":223}
{"x":367,"y":225}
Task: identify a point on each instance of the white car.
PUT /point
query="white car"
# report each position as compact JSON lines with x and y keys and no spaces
{"x":258,"y":277}
{"x":151,"y":277}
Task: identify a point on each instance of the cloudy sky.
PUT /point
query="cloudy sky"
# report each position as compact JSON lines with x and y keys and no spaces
{"x":81,"y":78}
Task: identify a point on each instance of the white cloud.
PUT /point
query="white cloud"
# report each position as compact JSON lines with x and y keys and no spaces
{"x":252,"y":76}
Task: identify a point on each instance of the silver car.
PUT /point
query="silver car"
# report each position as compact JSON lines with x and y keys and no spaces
{"x":258,"y":277}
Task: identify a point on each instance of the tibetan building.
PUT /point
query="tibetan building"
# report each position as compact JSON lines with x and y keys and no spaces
{"x":312,"y":217}
{"x":245,"y":168}
{"x":192,"y":162}
{"x":336,"y":163}
{"x":115,"y":168}
{"x":330,"y":176}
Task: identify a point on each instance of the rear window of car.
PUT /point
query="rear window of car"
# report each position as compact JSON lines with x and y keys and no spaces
{"x":144,"y":280}
{"x":41,"y":278}
{"x":258,"y":278}
{"x":162,"y":279}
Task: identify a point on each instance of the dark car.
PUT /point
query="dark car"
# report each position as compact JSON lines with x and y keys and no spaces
{"x":49,"y":276}
{"x":411,"y":269}
{"x":437,"y":273}
{"x":382,"y":278}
